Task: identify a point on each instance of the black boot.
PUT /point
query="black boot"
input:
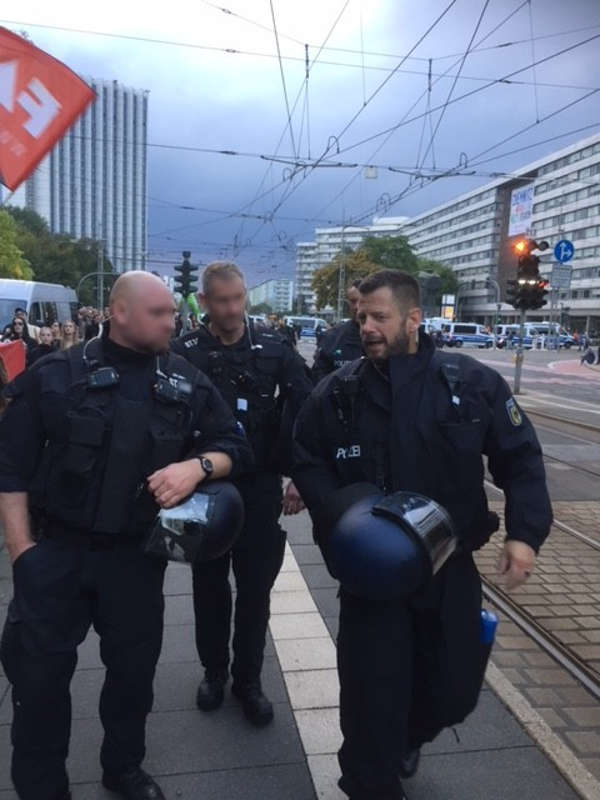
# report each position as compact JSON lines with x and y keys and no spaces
{"x":409,"y":763}
{"x":257,"y":708}
{"x":211,"y":692}
{"x":133,"y":785}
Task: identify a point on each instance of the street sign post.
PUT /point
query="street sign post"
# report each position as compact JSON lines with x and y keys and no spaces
{"x":560,"y":281}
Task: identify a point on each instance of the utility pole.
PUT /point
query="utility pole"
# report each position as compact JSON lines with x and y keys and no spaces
{"x":100,"y":295}
{"x":341,"y":282}
{"x":519,"y":356}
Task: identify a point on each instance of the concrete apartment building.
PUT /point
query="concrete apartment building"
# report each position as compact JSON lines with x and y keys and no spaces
{"x":278,"y":293}
{"x":552,"y":198}
{"x":94,"y":181}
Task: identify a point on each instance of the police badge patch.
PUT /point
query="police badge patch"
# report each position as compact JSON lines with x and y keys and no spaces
{"x":514,"y":413}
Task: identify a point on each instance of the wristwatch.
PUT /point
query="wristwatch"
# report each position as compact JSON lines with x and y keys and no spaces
{"x":206,"y":465}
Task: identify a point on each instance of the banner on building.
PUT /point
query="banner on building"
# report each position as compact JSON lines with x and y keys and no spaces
{"x":40,"y":98}
{"x":521,"y":209}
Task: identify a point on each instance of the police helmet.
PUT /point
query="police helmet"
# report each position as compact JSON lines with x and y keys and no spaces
{"x":386,"y":546}
{"x":203,"y":527}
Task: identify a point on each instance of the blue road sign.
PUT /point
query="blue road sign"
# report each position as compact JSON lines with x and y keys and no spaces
{"x":564,"y":251}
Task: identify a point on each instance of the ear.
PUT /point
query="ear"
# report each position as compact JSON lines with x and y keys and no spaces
{"x":414,"y":319}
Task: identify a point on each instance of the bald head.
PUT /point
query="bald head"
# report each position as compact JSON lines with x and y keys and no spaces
{"x":142,"y":312}
{"x":131,"y":285}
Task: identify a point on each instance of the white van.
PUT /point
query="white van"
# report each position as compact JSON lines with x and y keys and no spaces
{"x":44,"y":302}
{"x":465,"y":334}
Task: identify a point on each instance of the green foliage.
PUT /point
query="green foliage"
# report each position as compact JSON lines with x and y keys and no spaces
{"x":385,"y":252}
{"x":57,"y":257}
{"x":13,"y":263}
{"x":325,"y":280}
{"x":260,"y":308}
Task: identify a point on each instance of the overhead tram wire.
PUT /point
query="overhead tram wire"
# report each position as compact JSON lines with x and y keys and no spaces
{"x":457,"y":171}
{"x":281,"y":70}
{"x":455,"y":81}
{"x":308,"y":70}
{"x":533,"y":71}
{"x":382,"y":144}
{"x":371,"y":97}
{"x":504,"y":79}
{"x":234,"y":51}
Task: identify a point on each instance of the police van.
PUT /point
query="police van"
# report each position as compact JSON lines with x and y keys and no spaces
{"x":309,"y":326}
{"x":507,"y":335}
{"x":44,"y":302}
{"x":466,"y":334}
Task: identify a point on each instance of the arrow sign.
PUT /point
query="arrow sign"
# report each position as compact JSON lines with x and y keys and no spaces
{"x":40,"y":98}
{"x":564,"y":251}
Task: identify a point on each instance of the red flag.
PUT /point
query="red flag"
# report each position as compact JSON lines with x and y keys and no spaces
{"x":40,"y":98}
{"x":12,"y":356}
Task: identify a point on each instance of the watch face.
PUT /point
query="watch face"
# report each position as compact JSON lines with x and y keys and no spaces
{"x":207,"y":465}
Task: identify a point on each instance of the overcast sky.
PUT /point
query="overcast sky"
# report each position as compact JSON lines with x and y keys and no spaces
{"x":206,"y":98}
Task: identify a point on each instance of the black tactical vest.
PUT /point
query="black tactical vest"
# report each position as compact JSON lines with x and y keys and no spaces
{"x":247,"y":378}
{"x":101,"y":446}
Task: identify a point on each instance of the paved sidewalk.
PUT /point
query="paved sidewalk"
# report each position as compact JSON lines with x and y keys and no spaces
{"x":195,"y":756}
{"x":221,"y":757}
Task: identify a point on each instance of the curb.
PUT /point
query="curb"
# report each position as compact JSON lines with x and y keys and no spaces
{"x":567,"y":763}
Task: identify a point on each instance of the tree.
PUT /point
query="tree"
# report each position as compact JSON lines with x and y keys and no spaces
{"x":57,"y":257}
{"x":326,"y":279}
{"x":391,"y":252}
{"x":13,"y":263}
{"x":261,"y":308}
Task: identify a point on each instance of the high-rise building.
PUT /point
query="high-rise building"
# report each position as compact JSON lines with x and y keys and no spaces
{"x":278,"y":293}
{"x":556,"y":197}
{"x":93,"y":183}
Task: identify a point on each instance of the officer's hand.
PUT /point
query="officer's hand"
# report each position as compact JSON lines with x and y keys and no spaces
{"x":516,"y":564}
{"x":292,"y":502}
{"x":172,"y":484}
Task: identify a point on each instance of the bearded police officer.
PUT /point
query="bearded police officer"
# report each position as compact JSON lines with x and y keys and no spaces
{"x":409,"y":418}
{"x":95,"y":440}
{"x":264,"y":381}
{"x":339,"y":345}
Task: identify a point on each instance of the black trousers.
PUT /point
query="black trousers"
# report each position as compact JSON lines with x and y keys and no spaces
{"x":408,"y":669}
{"x":256,"y":559}
{"x":60,"y":589}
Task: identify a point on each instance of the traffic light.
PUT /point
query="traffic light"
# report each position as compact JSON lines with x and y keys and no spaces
{"x":529,"y":289}
{"x":511,"y":292}
{"x":185,"y":281}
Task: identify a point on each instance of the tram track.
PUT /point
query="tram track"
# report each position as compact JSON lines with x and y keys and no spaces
{"x":558,"y":651}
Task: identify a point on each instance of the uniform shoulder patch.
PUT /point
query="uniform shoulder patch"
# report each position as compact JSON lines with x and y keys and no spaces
{"x":514,"y":412}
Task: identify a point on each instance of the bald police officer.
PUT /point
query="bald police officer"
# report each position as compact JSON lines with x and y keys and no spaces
{"x":95,"y":440}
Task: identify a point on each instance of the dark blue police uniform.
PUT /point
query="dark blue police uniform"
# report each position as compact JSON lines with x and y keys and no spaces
{"x":264,"y":382}
{"x":80,"y":436}
{"x":421,"y":423}
{"x":337,"y":347}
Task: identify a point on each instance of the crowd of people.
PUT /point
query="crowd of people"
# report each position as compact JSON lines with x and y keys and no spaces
{"x":53,"y":335}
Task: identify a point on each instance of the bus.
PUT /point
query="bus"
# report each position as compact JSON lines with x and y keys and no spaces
{"x":45,"y":303}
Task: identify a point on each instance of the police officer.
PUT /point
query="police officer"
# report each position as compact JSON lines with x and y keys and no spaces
{"x":94,"y":441}
{"x":264,"y":381}
{"x":339,"y":345}
{"x":409,"y":418}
